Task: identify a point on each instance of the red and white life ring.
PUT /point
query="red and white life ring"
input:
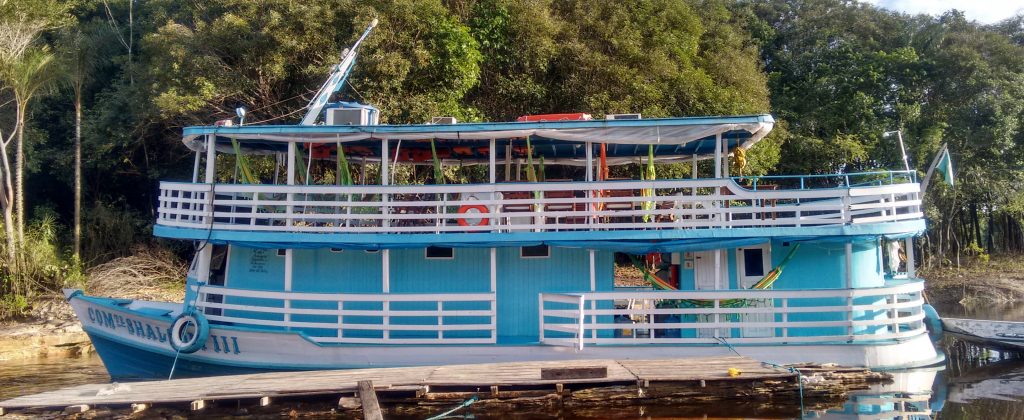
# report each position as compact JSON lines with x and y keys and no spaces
{"x":473,"y":209}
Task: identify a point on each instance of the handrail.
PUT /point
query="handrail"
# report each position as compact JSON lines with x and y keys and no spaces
{"x":425,"y":318}
{"x":678,"y":203}
{"x":891,"y":312}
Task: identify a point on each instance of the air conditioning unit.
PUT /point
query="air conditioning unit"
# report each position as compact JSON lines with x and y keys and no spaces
{"x":622,"y":117}
{"x":443,"y":120}
{"x":348,"y":116}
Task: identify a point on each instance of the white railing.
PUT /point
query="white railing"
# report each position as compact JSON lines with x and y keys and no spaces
{"x":436,"y":318}
{"x":740,"y":316}
{"x":547,"y":206}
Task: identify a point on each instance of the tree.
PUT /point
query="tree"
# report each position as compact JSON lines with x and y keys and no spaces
{"x":77,"y":61}
{"x":26,"y":77}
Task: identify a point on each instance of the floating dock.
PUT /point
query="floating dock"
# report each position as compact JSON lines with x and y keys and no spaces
{"x":579,"y":383}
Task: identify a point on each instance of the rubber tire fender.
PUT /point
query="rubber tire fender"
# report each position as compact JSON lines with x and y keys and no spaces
{"x":198,"y":340}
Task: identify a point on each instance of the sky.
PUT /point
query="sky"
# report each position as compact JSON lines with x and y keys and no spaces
{"x":984,"y":11}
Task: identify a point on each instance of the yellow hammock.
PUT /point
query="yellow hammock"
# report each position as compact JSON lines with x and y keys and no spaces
{"x":767,"y":281}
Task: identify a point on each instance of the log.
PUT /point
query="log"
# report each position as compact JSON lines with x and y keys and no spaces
{"x":368,"y":397}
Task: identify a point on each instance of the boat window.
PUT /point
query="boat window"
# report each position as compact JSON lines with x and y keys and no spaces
{"x":537,"y":251}
{"x":440,"y":253}
{"x":753,"y":262}
{"x":337,"y":250}
{"x":372,"y":251}
{"x":281,"y":252}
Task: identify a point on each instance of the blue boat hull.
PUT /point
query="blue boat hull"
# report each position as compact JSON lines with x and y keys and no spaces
{"x":126,"y":362}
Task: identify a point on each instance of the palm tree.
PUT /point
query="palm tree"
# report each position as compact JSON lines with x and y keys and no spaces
{"x":26,"y":76}
{"x":77,"y":62}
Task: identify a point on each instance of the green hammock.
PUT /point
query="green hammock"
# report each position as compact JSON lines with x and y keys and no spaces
{"x":767,"y":281}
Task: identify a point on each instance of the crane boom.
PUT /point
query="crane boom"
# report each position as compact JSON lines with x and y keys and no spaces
{"x":336,"y":79}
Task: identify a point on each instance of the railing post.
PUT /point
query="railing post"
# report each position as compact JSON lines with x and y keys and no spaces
{"x":540,"y":314}
{"x":785,"y":317}
{"x":580,"y":335}
{"x":341,"y":319}
{"x":895,"y":314}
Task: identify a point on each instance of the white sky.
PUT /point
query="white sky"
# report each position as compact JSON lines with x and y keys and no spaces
{"x":984,"y":11}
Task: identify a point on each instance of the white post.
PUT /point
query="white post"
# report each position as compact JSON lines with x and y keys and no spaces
{"x":195,"y":168}
{"x":718,"y":155}
{"x":849,"y":285}
{"x":492,"y":171}
{"x":494,"y":270}
{"x":593,"y":288}
{"x":494,"y":291}
{"x":582,"y":326}
{"x":385,"y":258}
{"x":590,"y":161}
{"x":718,"y":269}
{"x":206,"y":250}
{"x":289,"y":208}
{"x":384,"y":180}
{"x":289,"y":266}
{"x":911,"y":270}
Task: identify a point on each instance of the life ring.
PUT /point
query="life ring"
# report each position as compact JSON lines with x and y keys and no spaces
{"x":189,"y":332}
{"x":475,"y":208}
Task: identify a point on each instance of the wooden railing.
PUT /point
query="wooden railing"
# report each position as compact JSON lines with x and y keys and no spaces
{"x":537,"y":207}
{"x":739,"y":316}
{"x":435,"y":318}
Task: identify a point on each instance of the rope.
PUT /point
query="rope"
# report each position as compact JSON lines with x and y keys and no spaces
{"x":464,"y":404}
{"x":799,"y":375}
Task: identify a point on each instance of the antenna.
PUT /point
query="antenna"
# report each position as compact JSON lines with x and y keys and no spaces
{"x":336,"y":80}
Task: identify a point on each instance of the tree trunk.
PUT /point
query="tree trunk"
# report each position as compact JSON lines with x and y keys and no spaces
{"x":78,"y":173}
{"x":974,"y":221}
{"x":7,"y":199}
{"x":19,"y":173}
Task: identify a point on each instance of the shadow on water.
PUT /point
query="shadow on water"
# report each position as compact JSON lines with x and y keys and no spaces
{"x":975,"y":383}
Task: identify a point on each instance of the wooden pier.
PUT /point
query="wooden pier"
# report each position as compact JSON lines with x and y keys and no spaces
{"x":579,"y":383}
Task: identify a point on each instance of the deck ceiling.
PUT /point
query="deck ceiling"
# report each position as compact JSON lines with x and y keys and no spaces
{"x":675,"y":139}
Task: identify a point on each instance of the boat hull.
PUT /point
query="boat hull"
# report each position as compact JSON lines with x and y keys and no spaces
{"x":1000,"y":335}
{"x":131,"y":337}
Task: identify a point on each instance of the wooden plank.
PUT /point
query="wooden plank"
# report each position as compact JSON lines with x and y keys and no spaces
{"x":581,"y":372}
{"x":368,"y":398}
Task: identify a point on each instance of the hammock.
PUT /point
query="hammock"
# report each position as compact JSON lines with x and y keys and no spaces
{"x":767,"y":281}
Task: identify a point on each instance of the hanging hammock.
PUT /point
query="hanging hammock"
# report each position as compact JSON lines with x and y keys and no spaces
{"x":766,"y":282}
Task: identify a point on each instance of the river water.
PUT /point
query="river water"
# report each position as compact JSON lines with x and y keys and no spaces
{"x":975,"y":384}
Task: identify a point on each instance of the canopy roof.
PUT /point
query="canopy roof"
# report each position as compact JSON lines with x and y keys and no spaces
{"x":676,"y":139}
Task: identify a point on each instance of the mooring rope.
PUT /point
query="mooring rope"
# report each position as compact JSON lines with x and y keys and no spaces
{"x":799,"y":375}
{"x":190,"y":308}
{"x":464,"y":404}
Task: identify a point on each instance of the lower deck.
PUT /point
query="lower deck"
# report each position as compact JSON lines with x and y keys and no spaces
{"x":746,"y":291}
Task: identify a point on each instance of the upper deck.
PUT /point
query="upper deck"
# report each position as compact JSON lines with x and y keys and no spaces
{"x":593,"y":207}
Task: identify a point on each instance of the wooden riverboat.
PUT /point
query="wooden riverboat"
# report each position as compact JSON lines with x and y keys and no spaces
{"x":1000,"y":335}
{"x":367,"y":272}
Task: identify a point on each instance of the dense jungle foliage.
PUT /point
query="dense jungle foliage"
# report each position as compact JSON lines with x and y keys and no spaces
{"x":836,"y":74}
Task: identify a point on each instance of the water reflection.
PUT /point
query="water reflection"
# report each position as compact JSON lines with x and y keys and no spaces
{"x":23,"y":377}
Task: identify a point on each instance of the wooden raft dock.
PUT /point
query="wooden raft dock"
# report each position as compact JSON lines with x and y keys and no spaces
{"x":570,"y":382}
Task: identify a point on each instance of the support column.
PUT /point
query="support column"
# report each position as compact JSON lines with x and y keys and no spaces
{"x":385,"y":258}
{"x":911,"y":270}
{"x":494,"y":291}
{"x":385,"y":179}
{"x":593,"y":288}
{"x":205,"y":249}
{"x":288,"y":256}
{"x":289,"y":266}
{"x":289,"y":208}
{"x":849,"y":285}
{"x":492,"y":176}
{"x":718,"y":269}
{"x":718,"y":155}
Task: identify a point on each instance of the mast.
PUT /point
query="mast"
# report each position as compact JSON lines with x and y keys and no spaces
{"x":336,"y":80}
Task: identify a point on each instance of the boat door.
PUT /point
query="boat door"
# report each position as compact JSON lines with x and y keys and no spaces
{"x":752,"y":263}
{"x":704,"y":279}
